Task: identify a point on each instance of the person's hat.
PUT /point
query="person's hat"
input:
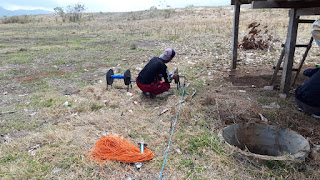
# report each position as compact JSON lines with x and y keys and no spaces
{"x":168,"y":54}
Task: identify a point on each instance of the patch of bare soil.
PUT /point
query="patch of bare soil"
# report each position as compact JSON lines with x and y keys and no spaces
{"x":39,"y":76}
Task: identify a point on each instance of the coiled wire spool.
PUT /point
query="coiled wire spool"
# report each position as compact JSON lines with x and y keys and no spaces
{"x":126,"y":78}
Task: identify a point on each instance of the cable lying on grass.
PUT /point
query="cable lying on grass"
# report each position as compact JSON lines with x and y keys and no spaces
{"x":115,"y":148}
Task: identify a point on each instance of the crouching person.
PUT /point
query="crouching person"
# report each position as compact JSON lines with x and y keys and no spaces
{"x":307,"y":96}
{"x":149,"y":79}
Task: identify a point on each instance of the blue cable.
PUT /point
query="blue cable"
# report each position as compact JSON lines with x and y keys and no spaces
{"x":175,"y":121}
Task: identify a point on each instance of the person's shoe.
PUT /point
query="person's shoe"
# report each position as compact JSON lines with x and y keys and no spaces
{"x":146,"y":93}
{"x":149,"y":95}
{"x":152,"y":96}
{"x":315,"y":116}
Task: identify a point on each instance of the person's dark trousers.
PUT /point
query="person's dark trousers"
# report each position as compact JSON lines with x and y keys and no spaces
{"x":308,"y":109}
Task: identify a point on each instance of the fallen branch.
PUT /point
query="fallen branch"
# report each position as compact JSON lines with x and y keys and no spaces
{"x":239,"y":86}
{"x":193,"y":94}
{"x":164,"y":111}
{"x":8,"y":112}
{"x":217,"y":106}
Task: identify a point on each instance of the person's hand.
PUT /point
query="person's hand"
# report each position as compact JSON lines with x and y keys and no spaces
{"x":175,"y":76}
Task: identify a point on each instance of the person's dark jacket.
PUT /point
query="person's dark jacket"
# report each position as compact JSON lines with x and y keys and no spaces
{"x":152,"y":70}
{"x":309,"y":91}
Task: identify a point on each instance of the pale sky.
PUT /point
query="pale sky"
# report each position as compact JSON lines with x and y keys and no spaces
{"x":108,"y":5}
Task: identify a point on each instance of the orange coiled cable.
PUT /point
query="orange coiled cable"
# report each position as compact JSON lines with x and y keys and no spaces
{"x":115,"y":148}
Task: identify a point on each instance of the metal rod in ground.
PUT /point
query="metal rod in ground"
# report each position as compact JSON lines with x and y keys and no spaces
{"x":174,"y":125}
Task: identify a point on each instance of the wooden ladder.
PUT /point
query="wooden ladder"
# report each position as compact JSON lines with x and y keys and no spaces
{"x":307,"y":46}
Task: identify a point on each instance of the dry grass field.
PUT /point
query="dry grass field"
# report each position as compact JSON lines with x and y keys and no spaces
{"x":52,"y":76}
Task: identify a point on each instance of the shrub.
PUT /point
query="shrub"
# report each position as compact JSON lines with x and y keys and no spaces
{"x":168,"y":13}
{"x":152,"y":8}
{"x":60,"y":12}
{"x":254,"y":39}
{"x":75,"y":12}
{"x":16,"y":19}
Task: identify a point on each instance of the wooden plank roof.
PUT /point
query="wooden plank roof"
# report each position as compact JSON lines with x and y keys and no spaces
{"x":256,"y":4}
{"x":285,"y":4}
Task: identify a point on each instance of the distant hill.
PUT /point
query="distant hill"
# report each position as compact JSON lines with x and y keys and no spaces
{"x":5,"y":12}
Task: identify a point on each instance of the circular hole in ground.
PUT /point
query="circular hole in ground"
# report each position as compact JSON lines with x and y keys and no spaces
{"x":266,"y":140}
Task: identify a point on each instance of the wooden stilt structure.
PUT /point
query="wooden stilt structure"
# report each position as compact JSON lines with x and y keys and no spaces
{"x":296,"y":8}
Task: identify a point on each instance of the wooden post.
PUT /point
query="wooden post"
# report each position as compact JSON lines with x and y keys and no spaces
{"x":235,"y":34}
{"x":302,"y":61}
{"x":276,"y":70}
{"x":289,"y":51}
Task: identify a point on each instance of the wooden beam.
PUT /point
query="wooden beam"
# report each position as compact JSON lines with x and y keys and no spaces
{"x":302,"y":61}
{"x":276,"y":70}
{"x":241,"y":2}
{"x":285,"y":4}
{"x":289,"y":52}
{"x":308,"y":11}
{"x":310,"y":21}
{"x":235,"y":34}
